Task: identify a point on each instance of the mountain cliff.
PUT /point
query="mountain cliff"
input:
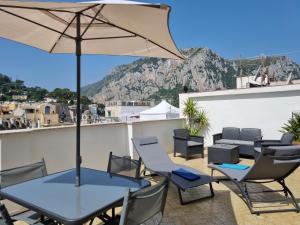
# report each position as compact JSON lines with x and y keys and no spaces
{"x":202,"y":70}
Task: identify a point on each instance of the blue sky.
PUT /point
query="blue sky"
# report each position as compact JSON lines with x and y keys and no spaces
{"x":232,"y":28}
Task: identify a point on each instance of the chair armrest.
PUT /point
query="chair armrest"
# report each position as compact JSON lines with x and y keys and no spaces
{"x":259,"y":143}
{"x":266,"y":144}
{"x":179,"y":138}
{"x":259,"y":138}
{"x":270,"y":140}
{"x":197,"y":138}
{"x":216,"y":137}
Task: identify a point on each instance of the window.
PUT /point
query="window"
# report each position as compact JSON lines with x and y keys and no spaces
{"x":47,"y":109}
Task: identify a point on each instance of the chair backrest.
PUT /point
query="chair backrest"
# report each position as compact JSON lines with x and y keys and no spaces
{"x":145,"y":205}
{"x":275,"y":162}
{"x":184,"y":133}
{"x":124,"y":165}
{"x":250,"y":134}
{"x":231,"y":133}
{"x":154,"y":157}
{"x":5,"y":217}
{"x":23,"y":173}
{"x":287,"y":138}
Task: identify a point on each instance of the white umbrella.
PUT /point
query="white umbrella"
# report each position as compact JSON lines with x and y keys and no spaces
{"x":113,"y":27}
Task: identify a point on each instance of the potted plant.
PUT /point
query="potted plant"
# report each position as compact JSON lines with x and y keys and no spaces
{"x":293,"y":126}
{"x":197,"y":120}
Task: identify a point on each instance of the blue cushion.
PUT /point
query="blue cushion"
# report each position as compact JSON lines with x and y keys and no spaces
{"x":186,"y":174}
{"x":234,"y":166}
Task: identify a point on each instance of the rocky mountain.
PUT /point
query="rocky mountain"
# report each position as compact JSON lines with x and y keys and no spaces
{"x":202,"y":70}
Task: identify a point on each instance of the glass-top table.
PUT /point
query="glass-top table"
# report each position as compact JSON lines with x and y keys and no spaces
{"x":56,"y":196}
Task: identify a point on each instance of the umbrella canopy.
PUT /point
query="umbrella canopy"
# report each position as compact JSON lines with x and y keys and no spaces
{"x":113,"y":27}
{"x":106,"y":27}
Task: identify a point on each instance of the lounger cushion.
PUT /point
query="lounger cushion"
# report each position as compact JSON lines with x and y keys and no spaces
{"x":232,"y":173}
{"x":232,"y":133}
{"x":148,"y":140}
{"x":194,"y":143}
{"x":250,"y":134}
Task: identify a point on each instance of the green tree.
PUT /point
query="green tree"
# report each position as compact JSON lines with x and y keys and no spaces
{"x":62,"y":95}
{"x":36,"y":93}
{"x":85,"y":101}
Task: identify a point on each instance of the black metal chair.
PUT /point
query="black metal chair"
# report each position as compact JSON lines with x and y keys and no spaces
{"x":7,"y":220}
{"x":124,"y":165}
{"x":5,"y":217}
{"x":187,"y":144}
{"x":145,"y":206}
{"x":21,"y":174}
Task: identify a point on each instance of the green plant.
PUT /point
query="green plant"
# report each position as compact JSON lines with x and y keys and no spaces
{"x":293,"y":126}
{"x":197,"y":120}
{"x":190,"y":111}
{"x":202,"y":120}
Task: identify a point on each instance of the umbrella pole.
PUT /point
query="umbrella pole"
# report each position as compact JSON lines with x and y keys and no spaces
{"x":78,"y":113}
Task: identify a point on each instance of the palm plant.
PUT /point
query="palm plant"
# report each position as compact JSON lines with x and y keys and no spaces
{"x":190,"y":111}
{"x":197,"y":120}
{"x":202,"y":120}
{"x":293,"y":126}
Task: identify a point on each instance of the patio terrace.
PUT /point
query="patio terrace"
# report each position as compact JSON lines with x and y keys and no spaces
{"x":56,"y":145}
{"x":226,"y":208}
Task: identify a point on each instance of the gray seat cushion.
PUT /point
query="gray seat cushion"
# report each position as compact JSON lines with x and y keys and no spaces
{"x":241,"y":142}
{"x":232,"y":133}
{"x":194,"y":143}
{"x":225,"y":141}
{"x":250,"y":134}
{"x":235,"y":142}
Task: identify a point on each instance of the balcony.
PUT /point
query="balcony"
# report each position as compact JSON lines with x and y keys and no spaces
{"x":57,"y":146}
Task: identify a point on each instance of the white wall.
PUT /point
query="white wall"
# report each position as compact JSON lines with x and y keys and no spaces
{"x":57,"y":145}
{"x":265,"y":108}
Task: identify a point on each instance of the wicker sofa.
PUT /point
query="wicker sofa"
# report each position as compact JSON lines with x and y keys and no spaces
{"x":245,"y":138}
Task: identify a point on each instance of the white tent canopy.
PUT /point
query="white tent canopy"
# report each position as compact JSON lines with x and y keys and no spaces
{"x":163,"y":110}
